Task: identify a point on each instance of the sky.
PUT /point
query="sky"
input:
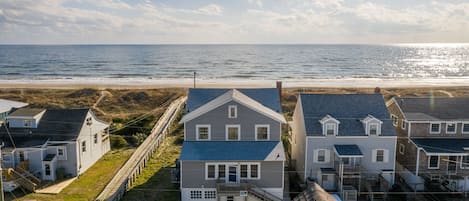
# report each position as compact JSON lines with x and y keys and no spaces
{"x":233,"y":21}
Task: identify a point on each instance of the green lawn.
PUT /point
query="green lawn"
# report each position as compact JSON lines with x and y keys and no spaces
{"x":155,"y":181}
{"x":92,"y":182}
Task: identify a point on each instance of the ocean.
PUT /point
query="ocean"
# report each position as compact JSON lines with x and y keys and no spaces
{"x":237,"y":62}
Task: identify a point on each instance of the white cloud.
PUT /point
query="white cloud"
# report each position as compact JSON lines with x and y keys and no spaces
{"x":258,"y":3}
{"x":211,"y":9}
{"x":328,"y":3}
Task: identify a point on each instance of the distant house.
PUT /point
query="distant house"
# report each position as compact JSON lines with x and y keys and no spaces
{"x":6,"y":106}
{"x":232,"y":148}
{"x":53,"y":141}
{"x":345,"y":142}
{"x":433,"y":141}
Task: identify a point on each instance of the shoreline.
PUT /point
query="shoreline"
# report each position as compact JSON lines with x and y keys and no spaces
{"x":124,"y":83}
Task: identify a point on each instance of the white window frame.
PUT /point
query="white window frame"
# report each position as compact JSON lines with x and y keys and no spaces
{"x":260,"y":126}
{"x":215,"y":174}
{"x":401,"y":148}
{"x":462,"y":163}
{"x":377,"y":129}
{"x":437,"y":165}
{"x":327,"y":156}
{"x":462,"y":128}
{"x":394,"y":123}
{"x":384,"y":155}
{"x":335,"y":129}
{"x":235,"y":111}
{"x":239,"y":169}
{"x":203,"y":126}
{"x":455,"y":127}
{"x":64,"y":156}
{"x":232,"y":126}
{"x":439,"y":128}
{"x":403,"y":124}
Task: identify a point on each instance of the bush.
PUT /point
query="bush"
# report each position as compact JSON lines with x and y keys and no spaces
{"x":60,"y":173}
{"x":118,"y":142}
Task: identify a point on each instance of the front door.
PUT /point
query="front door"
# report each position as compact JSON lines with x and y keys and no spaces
{"x":233,"y":174}
{"x":452,"y":165}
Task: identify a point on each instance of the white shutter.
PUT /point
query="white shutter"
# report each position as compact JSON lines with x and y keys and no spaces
{"x":373,"y":156}
{"x":327,"y":155}
{"x":386,"y":156}
{"x":315,"y":156}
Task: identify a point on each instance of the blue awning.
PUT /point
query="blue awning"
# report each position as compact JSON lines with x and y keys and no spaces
{"x":347,"y":150}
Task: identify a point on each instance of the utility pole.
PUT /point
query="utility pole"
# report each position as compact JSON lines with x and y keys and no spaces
{"x":194,"y":77}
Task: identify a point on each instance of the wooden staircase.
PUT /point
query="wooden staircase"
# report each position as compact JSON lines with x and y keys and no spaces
{"x":24,"y":178}
{"x":262,"y":194}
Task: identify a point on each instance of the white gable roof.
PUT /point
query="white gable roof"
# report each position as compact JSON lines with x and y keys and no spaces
{"x":329,"y":118}
{"x":237,"y":96}
{"x":370,"y":118}
{"x":7,"y":105}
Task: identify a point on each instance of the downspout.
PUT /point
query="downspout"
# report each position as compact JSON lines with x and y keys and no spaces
{"x":417,"y":162}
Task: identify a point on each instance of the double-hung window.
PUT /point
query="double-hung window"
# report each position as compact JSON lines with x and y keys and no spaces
{"x":203,"y":132}
{"x":434,"y":128}
{"x":465,"y":128}
{"x":232,"y":111}
{"x":433,"y":162}
{"x":373,"y":129}
{"x":330,"y":128}
{"x":380,"y":155}
{"x":211,"y":171}
{"x":465,"y":162}
{"x":395,"y":120}
{"x":262,"y":132}
{"x":233,"y":132}
{"x":322,"y":156}
{"x":451,"y":128}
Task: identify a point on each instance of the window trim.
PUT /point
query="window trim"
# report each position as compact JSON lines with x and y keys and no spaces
{"x":401,"y":148}
{"x":462,"y":127}
{"x":268,"y":131}
{"x":384,"y":155}
{"x":439,"y":127}
{"x":377,"y":129}
{"x":203,"y":126}
{"x":462,"y":161}
{"x":394,"y":123}
{"x":317,"y":155}
{"x":334,"y":129}
{"x":232,"y":126}
{"x":64,"y":156}
{"x":239,"y":170}
{"x":437,"y":165}
{"x":403,"y":124}
{"x":235,"y":111}
{"x":455,"y":127}
{"x":215,"y":173}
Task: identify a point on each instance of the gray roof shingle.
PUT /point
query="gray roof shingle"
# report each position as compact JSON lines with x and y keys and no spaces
{"x":349,"y":109}
{"x":26,"y":112}
{"x":55,"y":125}
{"x":431,"y":108}
{"x":268,"y":97}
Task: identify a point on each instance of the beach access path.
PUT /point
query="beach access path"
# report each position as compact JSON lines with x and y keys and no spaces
{"x":133,"y":167}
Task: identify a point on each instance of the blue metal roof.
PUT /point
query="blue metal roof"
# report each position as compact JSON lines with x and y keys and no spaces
{"x":442,"y":145}
{"x":224,"y":150}
{"x":348,"y":150}
{"x":349,"y":109}
{"x":268,"y":97}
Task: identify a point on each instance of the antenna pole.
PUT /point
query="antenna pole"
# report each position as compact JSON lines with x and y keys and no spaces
{"x":194,"y":77}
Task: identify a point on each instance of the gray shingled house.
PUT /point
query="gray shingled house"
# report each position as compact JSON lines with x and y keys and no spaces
{"x":433,"y":141}
{"x":53,"y":141}
{"x":232,"y":148}
{"x":345,"y":142}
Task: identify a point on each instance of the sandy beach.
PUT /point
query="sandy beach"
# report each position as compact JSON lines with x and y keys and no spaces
{"x":227,"y":83}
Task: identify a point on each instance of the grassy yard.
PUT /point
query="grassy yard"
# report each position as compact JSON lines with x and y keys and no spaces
{"x":90,"y":184}
{"x":155,"y":181}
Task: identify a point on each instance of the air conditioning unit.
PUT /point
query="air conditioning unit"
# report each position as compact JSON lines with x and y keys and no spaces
{"x":243,"y":193}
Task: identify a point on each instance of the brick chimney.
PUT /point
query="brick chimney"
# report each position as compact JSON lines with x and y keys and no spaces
{"x":279,"y":88}
{"x":377,"y":90}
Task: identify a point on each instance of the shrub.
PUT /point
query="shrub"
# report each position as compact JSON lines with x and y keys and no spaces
{"x":118,"y":142}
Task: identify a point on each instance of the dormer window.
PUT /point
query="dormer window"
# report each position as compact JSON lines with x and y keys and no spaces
{"x":372,"y":125}
{"x":232,"y":111}
{"x":451,"y":128}
{"x":330,"y":129}
{"x":330,"y":126}
{"x":373,"y":129}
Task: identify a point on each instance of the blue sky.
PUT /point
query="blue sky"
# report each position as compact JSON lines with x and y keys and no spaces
{"x":228,"y":21}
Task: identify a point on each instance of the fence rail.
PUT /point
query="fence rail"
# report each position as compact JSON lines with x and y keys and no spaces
{"x":134,"y":166}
